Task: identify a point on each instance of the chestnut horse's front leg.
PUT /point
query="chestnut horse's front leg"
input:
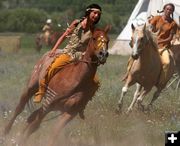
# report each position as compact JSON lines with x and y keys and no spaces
{"x":27,"y":94}
{"x":33,"y":123}
{"x":62,"y":121}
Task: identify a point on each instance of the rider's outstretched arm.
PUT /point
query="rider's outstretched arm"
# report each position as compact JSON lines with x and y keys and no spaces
{"x":63,"y":37}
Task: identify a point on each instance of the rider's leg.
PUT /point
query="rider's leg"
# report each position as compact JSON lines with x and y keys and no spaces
{"x":42,"y":88}
{"x":165,"y":59}
{"x":56,"y":65}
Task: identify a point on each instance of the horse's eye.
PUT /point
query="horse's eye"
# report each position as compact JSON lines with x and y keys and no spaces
{"x":94,"y":39}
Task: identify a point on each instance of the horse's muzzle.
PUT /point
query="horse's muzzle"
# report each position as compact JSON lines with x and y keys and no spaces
{"x":135,"y":56}
{"x":102,"y":56}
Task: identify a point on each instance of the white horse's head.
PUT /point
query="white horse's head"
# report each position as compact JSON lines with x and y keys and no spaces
{"x":139,"y":40}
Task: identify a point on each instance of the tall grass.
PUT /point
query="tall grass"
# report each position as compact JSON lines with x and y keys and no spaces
{"x":102,"y":126}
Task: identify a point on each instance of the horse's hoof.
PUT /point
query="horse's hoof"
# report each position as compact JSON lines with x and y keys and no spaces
{"x":141,"y":107}
{"x":6,"y":131}
{"x":81,"y":115}
{"x":128,"y":111}
{"x":2,"y":140}
{"x":148,"y":109}
{"x":120,"y":105}
{"x":118,"y":110}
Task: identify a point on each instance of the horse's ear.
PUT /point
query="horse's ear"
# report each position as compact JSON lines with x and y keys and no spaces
{"x":144,"y":28}
{"x":107,"y":28}
{"x":132,"y":26}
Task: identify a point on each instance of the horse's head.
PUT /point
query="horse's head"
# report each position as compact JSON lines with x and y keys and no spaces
{"x":100,"y":42}
{"x":139,"y":40}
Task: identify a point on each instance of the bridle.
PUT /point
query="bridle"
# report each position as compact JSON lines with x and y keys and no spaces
{"x":139,"y":43}
{"x":101,"y":44}
{"x":89,"y":62}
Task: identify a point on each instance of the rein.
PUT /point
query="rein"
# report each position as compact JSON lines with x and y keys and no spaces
{"x":89,"y":62}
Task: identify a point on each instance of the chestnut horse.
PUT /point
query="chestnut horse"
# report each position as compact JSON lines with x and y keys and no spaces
{"x":146,"y":68}
{"x":68,"y":91}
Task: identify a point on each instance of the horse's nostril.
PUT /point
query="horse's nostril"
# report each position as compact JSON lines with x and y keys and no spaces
{"x":107,"y":54}
{"x":100,"y":53}
{"x":135,"y":57}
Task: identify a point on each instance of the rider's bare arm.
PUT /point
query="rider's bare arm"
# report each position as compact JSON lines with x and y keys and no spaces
{"x":169,"y":39}
{"x":166,"y":40}
{"x":64,"y":35}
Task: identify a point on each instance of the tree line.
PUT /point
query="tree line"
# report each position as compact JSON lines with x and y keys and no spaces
{"x":30,"y":15}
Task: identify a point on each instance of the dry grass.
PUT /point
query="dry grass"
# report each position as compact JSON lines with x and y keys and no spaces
{"x":10,"y":43}
{"x":102,"y":127}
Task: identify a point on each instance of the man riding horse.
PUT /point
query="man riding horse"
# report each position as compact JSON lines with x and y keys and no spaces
{"x":47,"y":31}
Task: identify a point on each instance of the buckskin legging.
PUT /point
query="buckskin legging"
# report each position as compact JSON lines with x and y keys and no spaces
{"x":56,"y":65}
{"x":165,"y":60}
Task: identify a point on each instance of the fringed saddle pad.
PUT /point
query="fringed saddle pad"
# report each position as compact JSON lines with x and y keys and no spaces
{"x":49,"y":97}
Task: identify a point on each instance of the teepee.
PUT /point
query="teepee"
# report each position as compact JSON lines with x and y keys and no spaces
{"x":142,"y":10}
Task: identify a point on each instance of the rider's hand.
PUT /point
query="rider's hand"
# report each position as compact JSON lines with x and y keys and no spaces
{"x":52,"y":53}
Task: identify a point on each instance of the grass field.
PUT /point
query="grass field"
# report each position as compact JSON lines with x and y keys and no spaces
{"x":102,"y":126}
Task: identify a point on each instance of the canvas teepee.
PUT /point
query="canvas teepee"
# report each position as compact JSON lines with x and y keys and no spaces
{"x":142,"y":10}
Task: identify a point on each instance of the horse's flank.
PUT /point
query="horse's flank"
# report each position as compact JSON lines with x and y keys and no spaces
{"x":76,"y":78}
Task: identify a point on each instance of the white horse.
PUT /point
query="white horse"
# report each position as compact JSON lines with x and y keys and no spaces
{"x":145,"y":69}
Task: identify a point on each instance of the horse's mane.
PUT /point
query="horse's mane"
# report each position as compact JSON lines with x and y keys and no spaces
{"x":97,"y":29}
{"x":152,"y":37}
